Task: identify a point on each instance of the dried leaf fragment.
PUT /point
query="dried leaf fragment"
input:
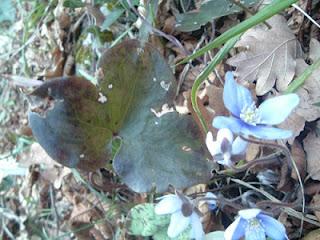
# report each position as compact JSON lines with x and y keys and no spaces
{"x":311,"y":146}
{"x":269,"y":57}
{"x":309,"y":94}
{"x":299,"y":157}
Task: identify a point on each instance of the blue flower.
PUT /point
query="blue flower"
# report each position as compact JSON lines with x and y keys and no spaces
{"x":212,"y":203}
{"x":224,"y":147}
{"x":249,"y":120}
{"x":254,"y":225}
{"x":183,"y":213}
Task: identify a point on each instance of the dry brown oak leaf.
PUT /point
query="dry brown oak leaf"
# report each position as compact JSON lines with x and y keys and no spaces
{"x":269,"y":56}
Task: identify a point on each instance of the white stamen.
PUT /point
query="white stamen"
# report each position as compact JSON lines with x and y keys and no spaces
{"x":250,"y":114}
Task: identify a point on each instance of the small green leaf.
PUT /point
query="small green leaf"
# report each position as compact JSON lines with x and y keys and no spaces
{"x":111,"y":16}
{"x":216,"y":235}
{"x":143,"y":221}
{"x":162,"y":234}
{"x":73,"y":4}
{"x":208,"y":11}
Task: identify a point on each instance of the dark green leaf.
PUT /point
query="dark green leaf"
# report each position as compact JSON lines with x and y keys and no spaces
{"x":75,"y":128}
{"x":155,"y":151}
{"x":208,"y":11}
{"x":317,"y":104}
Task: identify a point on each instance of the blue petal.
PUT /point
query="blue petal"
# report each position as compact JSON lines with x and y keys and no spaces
{"x":267,"y":133}
{"x":236,"y":230}
{"x":232,"y":123}
{"x":255,"y":231}
{"x":178,"y":224}
{"x":239,"y":127}
{"x":212,"y":204}
{"x":239,"y":146}
{"x":249,"y":213}
{"x":235,"y":96}
{"x":197,"y":232}
{"x":169,"y":204}
{"x":276,"y":110}
{"x":273,"y":228}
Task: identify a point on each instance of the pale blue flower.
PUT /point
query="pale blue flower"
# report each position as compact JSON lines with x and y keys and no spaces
{"x":249,"y":120}
{"x":211,"y":201}
{"x":183,"y":215}
{"x":225,"y":146}
{"x":254,"y":225}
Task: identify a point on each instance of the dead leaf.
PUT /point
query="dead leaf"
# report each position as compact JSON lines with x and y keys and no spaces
{"x":313,"y":235}
{"x":252,"y":151}
{"x":89,"y":217}
{"x":299,"y":157}
{"x":312,"y":145}
{"x":309,"y":94}
{"x":37,"y":155}
{"x":216,"y":105}
{"x":295,"y":123}
{"x":314,"y":52}
{"x":269,"y":56}
{"x":316,"y":204}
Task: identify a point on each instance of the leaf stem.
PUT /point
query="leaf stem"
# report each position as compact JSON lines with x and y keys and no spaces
{"x":205,"y":73}
{"x":298,"y":82}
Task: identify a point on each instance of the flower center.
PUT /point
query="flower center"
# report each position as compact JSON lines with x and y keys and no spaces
{"x":250,"y":114}
{"x":254,"y":230}
{"x":186,"y":209}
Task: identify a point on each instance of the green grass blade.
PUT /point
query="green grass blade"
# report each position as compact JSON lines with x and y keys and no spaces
{"x":203,"y":75}
{"x":275,"y":7}
{"x":298,"y":82}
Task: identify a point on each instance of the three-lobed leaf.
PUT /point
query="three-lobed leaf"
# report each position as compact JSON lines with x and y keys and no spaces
{"x":75,"y":121}
{"x":269,"y":56}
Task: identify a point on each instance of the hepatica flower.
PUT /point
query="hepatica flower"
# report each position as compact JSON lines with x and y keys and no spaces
{"x":225,"y":146}
{"x":254,"y":225}
{"x":249,"y":120}
{"x":183,"y":214}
